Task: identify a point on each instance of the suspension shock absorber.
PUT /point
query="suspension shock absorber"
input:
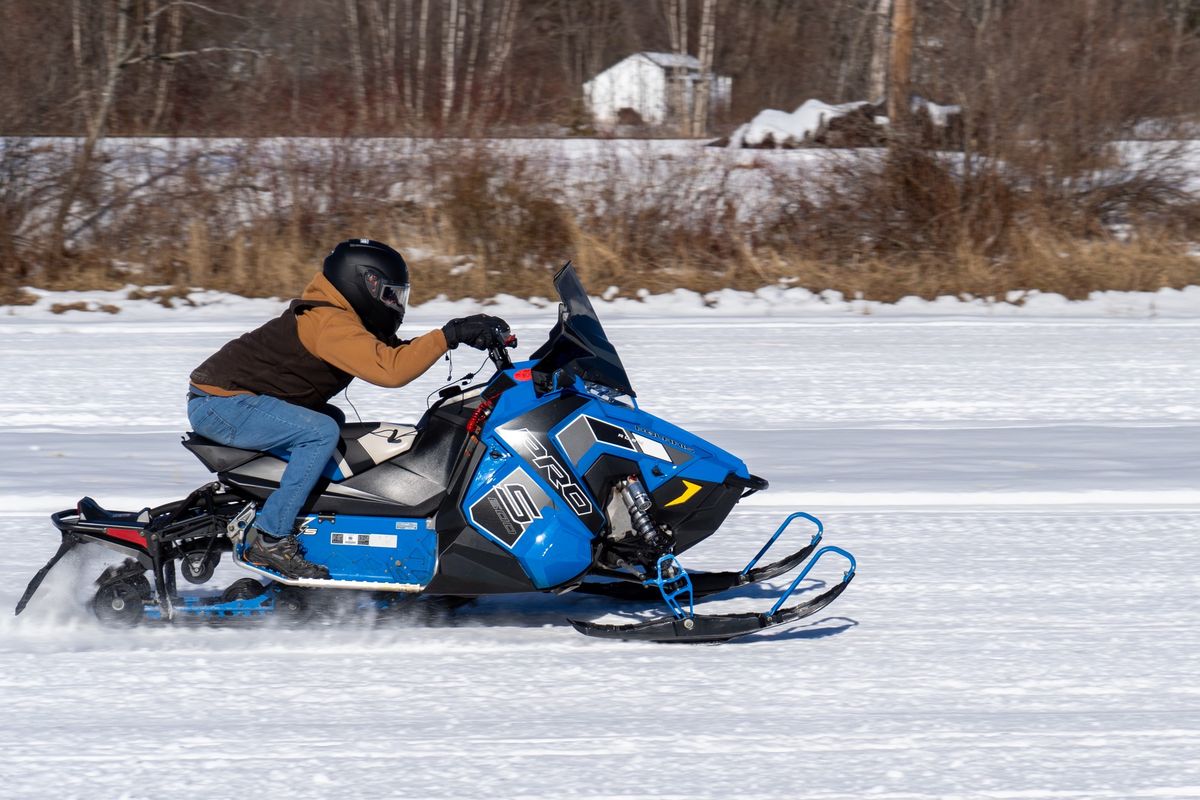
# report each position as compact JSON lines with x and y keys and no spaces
{"x":637,"y":501}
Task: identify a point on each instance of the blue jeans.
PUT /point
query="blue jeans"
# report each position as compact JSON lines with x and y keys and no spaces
{"x":259,"y":422}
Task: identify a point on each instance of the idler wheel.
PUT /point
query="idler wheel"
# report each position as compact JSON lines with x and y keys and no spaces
{"x":121,"y":603}
{"x":242,"y":589}
{"x":196,"y":567}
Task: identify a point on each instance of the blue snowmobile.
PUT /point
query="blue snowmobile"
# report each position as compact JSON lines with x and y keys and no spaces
{"x":547,"y":478}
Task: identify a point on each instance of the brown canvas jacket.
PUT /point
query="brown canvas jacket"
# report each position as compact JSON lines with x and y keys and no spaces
{"x":333,"y":334}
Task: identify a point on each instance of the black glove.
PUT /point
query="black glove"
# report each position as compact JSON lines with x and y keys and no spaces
{"x":479,"y":331}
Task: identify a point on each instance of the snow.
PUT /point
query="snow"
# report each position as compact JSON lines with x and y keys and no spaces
{"x":939,"y":115}
{"x":1018,"y":483}
{"x":795,"y":127}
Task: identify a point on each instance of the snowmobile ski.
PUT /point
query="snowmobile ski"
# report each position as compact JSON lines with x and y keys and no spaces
{"x":689,"y":627}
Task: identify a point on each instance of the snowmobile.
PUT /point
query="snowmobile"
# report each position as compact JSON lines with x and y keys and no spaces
{"x":548,"y":477}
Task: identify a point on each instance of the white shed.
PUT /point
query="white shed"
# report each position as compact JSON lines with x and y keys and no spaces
{"x":640,"y":83}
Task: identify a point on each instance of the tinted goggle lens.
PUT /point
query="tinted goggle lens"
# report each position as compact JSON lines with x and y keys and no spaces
{"x":394,"y":295}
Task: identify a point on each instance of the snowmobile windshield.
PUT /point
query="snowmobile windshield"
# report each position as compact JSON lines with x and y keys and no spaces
{"x":578,"y":345}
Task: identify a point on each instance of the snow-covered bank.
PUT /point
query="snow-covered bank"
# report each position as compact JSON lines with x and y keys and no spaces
{"x":116,"y":306}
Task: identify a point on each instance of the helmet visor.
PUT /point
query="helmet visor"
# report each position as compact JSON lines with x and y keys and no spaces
{"x":392,"y":295}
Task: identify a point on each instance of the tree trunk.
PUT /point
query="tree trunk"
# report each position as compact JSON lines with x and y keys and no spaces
{"x":449,"y":41}
{"x":385,"y":57}
{"x":472,"y":57}
{"x":81,"y":78}
{"x":877,"y":87}
{"x":167,"y":70}
{"x":708,"y":35}
{"x":677,"y":30}
{"x":393,"y":66}
{"x":119,"y":51}
{"x":356,"y":63}
{"x":500,"y":48}
{"x":422,"y":57}
{"x":408,"y":50}
{"x":903,"y":24}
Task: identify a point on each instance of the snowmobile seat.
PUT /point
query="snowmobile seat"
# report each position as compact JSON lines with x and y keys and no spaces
{"x":366,"y":444}
{"x":90,"y":511}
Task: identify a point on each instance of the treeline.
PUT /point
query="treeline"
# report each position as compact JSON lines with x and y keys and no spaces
{"x":1072,"y":166}
{"x":336,"y":67}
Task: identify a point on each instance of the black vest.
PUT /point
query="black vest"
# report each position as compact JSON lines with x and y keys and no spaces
{"x":271,"y":360}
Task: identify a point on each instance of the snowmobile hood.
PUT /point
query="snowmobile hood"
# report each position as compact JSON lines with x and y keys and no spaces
{"x":319,"y":288}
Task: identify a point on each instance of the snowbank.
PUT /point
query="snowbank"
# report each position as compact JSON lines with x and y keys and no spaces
{"x":781,"y":127}
{"x":769,"y":301}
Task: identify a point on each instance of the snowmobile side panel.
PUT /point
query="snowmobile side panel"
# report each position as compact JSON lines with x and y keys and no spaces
{"x":525,"y":498}
{"x":472,"y":565}
{"x":372,"y":549}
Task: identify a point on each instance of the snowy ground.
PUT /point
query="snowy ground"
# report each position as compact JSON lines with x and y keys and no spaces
{"x":1023,"y":496}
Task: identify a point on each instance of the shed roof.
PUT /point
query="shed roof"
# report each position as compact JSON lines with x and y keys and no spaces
{"x":672,"y":60}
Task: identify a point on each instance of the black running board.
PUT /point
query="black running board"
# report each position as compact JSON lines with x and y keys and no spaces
{"x":704,"y":584}
{"x":711,"y":628}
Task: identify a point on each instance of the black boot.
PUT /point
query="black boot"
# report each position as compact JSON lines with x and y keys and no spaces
{"x":283,"y":556}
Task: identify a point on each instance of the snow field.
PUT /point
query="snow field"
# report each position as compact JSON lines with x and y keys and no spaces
{"x":1021,"y":495}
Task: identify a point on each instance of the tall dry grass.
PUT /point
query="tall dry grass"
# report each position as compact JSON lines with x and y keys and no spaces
{"x":480,"y":219}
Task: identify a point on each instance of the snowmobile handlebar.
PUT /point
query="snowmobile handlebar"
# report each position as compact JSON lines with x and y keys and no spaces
{"x":496,"y":351}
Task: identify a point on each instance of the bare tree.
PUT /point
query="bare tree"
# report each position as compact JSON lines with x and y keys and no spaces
{"x":877,"y":84}
{"x":123,"y":48}
{"x":408,"y":48}
{"x":450,"y":42}
{"x":356,"y":63}
{"x":384,"y":27}
{"x":677,"y":29}
{"x":167,"y":68}
{"x":708,"y":35}
{"x":500,"y":45}
{"x":420,"y":78}
{"x":476,"y":34}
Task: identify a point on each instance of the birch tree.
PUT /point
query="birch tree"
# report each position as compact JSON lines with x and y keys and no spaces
{"x":383,"y":25}
{"x":419,"y":78}
{"x":450,"y":42}
{"x":677,"y":29}
{"x":500,"y":43}
{"x":877,"y":81}
{"x":356,"y":63}
{"x":476,"y":35}
{"x":708,"y":35}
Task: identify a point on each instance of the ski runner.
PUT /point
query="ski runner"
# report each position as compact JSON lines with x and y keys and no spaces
{"x":269,"y":389}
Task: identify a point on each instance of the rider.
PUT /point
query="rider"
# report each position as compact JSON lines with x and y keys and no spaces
{"x":270,"y":388}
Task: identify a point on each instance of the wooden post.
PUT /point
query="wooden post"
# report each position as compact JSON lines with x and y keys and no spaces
{"x":903,"y":24}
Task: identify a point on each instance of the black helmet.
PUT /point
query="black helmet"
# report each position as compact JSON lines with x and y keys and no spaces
{"x":374,"y":280}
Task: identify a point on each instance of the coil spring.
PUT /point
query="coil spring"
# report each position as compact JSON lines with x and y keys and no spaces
{"x":638,"y":502}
